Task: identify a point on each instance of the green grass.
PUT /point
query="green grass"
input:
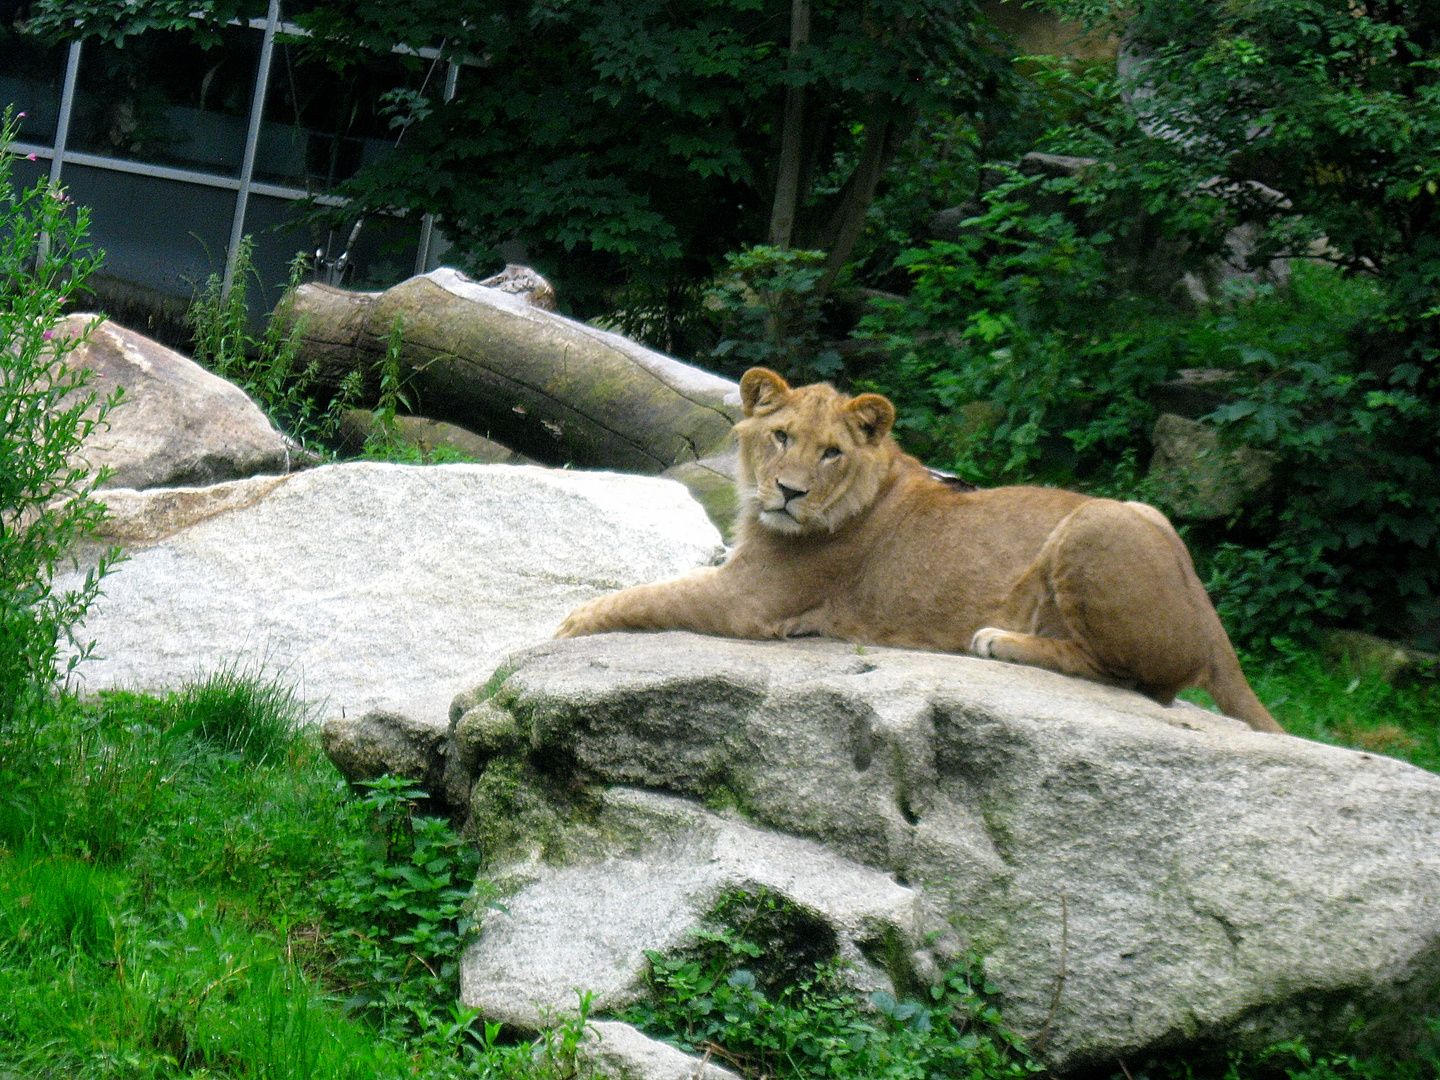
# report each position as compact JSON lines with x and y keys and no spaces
{"x":173,"y":884}
{"x":188,"y":889}
{"x":101,"y":981}
{"x":1330,"y":702}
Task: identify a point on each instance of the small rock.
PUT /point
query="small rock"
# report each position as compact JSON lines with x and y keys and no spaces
{"x":387,"y":743}
{"x":1374,"y":655}
{"x":1199,"y":478}
{"x":620,"y":1052}
{"x":1196,"y":393}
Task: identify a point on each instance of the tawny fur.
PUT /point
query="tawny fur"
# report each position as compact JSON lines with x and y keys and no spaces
{"x":845,"y":536}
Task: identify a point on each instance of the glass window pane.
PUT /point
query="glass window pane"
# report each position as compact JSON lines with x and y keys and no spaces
{"x":31,"y":78}
{"x":165,"y":100}
{"x":163,"y":234}
{"x":383,"y":254}
{"x":320,"y":127}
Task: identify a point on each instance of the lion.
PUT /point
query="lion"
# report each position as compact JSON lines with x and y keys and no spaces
{"x":844,"y":535}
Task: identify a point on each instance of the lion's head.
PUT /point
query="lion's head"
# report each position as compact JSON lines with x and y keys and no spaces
{"x":810,"y":457}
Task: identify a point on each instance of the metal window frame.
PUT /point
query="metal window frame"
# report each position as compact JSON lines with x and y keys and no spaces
{"x":244,"y":185}
{"x":252,"y":143}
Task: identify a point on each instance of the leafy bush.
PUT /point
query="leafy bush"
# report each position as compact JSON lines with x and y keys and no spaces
{"x":400,"y":899}
{"x":1025,"y":352}
{"x":770,"y":303}
{"x":1313,"y":123}
{"x":46,"y":412}
{"x":799,"y":1020}
{"x":1017,"y":355}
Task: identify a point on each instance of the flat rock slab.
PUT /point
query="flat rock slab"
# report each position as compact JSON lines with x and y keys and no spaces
{"x":375,"y":586}
{"x":1136,"y":876}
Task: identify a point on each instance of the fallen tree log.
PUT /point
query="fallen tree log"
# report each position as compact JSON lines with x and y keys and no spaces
{"x":555,"y":389}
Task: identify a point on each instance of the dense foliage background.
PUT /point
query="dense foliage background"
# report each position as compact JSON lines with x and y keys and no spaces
{"x":743,"y":181}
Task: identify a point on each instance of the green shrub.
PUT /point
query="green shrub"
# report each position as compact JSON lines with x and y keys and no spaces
{"x":754,"y":992}
{"x":1022,"y":355}
{"x":769,"y":302}
{"x":46,"y":412}
{"x":1337,"y":108}
{"x":55,"y":904}
{"x":401,"y":902}
{"x":1294,"y":1059}
{"x":1018,"y":355}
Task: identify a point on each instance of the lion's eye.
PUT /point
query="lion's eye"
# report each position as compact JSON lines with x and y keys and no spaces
{"x":782,"y":437}
{"x":831,"y":452}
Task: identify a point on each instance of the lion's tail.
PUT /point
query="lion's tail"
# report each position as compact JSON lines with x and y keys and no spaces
{"x":1227,"y":685}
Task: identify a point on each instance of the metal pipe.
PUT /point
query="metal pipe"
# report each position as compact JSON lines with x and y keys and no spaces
{"x":67,"y":106}
{"x":427,"y":223}
{"x":252,"y":142}
{"x":184,"y":176}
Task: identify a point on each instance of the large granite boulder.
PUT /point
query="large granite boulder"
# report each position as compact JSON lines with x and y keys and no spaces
{"x":178,"y":424}
{"x":1137,"y":877}
{"x":374,"y":586}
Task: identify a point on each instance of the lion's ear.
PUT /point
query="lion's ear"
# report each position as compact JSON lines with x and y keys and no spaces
{"x":761,"y":390}
{"x":875,"y":413}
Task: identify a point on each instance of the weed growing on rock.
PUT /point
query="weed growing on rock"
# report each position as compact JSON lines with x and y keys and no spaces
{"x":266,"y":366}
{"x":384,"y":439}
{"x":763,"y":994}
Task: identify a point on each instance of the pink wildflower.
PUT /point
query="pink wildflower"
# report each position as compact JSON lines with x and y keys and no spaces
{"x":18,"y":115}
{"x":31,"y":157}
{"x":47,"y":335}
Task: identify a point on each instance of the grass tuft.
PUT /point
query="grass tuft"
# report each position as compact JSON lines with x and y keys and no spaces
{"x":240,"y":713}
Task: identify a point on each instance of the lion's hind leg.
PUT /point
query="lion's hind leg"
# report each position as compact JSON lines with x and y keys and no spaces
{"x":1108,"y":598}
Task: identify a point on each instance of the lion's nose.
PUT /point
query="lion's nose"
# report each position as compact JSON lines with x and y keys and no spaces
{"x":788,"y":492}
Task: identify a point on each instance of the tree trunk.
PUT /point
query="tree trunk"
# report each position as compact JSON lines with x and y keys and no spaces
{"x":555,"y":389}
{"x":882,"y":138}
{"x":792,"y":134}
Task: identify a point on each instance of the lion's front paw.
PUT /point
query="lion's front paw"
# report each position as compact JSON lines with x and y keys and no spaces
{"x":985,"y":640}
{"x":578,"y":623}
